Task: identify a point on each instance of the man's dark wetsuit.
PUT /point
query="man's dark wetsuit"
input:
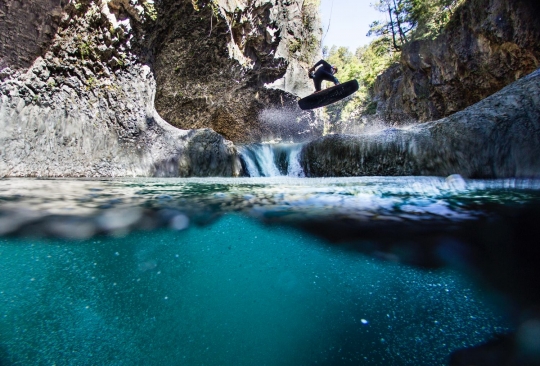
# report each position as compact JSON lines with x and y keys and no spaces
{"x":324,"y":72}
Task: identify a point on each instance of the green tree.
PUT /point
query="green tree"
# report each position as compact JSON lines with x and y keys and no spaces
{"x":398,"y":24}
{"x":363,"y":65}
{"x":431,"y":16}
{"x":408,"y":20}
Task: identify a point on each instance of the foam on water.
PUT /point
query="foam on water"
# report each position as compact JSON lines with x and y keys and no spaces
{"x":272,"y":160}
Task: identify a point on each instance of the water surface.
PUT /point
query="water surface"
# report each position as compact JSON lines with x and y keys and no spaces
{"x":229,"y":271}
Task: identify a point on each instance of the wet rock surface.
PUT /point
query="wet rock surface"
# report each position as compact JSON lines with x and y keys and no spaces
{"x":496,"y":138}
{"x":96,"y":134}
{"x":208,"y":154}
{"x":488,"y":45}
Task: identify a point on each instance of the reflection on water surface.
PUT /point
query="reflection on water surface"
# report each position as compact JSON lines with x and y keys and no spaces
{"x":401,"y":199}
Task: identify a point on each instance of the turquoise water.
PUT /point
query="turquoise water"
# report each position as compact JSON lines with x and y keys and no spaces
{"x":193,"y":272}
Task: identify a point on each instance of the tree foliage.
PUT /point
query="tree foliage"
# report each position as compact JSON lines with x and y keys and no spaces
{"x":364,"y":65}
{"x":431,"y":16}
{"x":407,"y":20}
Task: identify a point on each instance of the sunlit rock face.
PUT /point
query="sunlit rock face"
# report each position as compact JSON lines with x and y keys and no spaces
{"x":488,"y":45}
{"x":214,"y":58}
{"x":496,"y":138}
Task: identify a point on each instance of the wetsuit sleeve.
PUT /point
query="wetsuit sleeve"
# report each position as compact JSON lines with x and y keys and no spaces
{"x":322,"y":62}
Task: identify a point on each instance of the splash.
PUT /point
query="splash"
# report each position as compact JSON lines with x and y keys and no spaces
{"x":290,"y":124}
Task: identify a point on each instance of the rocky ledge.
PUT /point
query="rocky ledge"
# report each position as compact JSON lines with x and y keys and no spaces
{"x":498,"y":137}
{"x":76,"y":132}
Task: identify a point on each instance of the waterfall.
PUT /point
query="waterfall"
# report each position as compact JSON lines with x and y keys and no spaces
{"x":271,"y":160}
{"x":295,"y":169}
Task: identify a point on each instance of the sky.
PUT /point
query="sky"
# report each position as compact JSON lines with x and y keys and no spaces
{"x":349,"y":22}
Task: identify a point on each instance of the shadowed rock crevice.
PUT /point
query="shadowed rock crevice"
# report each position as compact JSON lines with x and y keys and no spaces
{"x":208,"y":154}
{"x":27,"y":28}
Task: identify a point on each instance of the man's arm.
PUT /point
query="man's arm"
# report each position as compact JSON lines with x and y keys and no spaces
{"x":321,"y":62}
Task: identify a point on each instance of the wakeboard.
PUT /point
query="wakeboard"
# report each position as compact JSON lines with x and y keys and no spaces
{"x":329,"y":95}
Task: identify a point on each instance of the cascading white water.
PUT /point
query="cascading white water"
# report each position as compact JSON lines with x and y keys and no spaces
{"x":272,"y":160}
{"x":248,"y":157}
{"x":259,"y":160}
{"x":294,"y":168}
{"x":266,"y":159}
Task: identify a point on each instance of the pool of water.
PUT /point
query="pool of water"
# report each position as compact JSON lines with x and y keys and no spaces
{"x":247,"y":271}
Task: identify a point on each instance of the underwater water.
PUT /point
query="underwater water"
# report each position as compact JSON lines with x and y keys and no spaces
{"x":226,"y":271}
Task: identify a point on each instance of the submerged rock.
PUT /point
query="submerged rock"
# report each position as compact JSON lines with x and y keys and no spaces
{"x":496,"y":138}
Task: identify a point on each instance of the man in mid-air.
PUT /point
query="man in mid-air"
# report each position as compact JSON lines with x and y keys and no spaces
{"x":324,"y":72}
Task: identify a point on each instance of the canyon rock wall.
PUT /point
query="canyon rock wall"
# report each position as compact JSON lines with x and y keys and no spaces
{"x":78,"y":82}
{"x":27,"y":29}
{"x":85,"y":106}
{"x":487,"y":45}
{"x":213,"y":60}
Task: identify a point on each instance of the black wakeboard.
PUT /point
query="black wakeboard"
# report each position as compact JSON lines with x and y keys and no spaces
{"x":329,"y":95}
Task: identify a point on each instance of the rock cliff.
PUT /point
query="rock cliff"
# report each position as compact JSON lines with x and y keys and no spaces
{"x":84,"y":106}
{"x":487,"y":45}
{"x":498,"y":137}
{"x":26,"y":30}
{"x":78,"y":86}
{"x":214,"y":58}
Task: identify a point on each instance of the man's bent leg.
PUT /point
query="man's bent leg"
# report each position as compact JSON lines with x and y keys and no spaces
{"x":317,"y":81}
